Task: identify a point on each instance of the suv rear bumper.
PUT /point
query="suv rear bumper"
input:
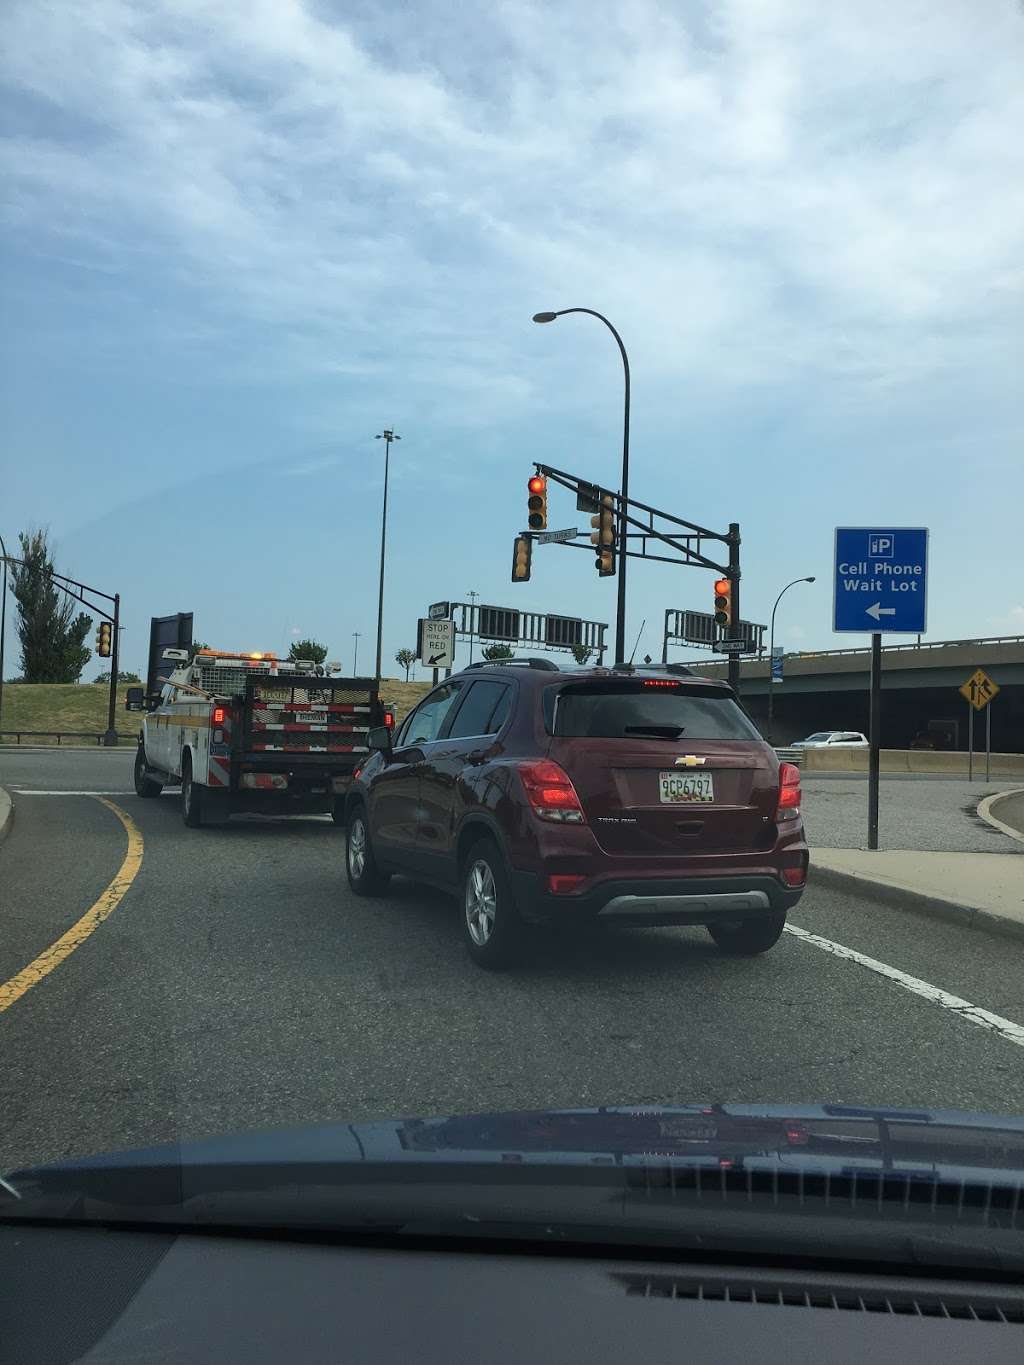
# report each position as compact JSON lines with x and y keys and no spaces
{"x":654,"y":901}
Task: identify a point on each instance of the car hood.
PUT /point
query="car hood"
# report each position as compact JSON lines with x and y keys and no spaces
{"x":831,"y":1138}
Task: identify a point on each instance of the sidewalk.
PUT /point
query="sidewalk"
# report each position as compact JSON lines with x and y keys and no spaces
{"x":983,"y":890}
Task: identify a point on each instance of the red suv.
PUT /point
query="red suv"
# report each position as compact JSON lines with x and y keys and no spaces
{"x":633,"y":796}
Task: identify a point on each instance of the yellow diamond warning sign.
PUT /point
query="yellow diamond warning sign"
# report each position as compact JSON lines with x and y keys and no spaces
{"x":979,"y":689}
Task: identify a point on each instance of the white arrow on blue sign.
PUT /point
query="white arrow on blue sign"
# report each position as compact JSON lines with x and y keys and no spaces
{"x":881,"y":580}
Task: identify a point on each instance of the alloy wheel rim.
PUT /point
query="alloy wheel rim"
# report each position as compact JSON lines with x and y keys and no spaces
{"x":481,"y":903}
{"x":357,"y":848}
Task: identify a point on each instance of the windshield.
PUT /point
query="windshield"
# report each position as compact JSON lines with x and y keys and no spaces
{"x":338,"y":795}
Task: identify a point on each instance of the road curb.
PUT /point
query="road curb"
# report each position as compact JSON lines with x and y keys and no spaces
{"x":985,"y":813}
{"x":6,"y":813}
{"x":918,"y":902}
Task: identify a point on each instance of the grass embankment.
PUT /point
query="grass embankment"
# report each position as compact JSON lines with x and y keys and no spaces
{"x":73,"y":706}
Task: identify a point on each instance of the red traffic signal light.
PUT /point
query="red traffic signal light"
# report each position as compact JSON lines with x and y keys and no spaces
{"x":723,"y":602}
{"x":537,"y":502}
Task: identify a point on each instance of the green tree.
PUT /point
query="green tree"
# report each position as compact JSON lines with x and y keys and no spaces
{"x":308,"y":649}
{"x":493,"y":652}
{"x":123,"y":676}
{"x":406,"y":658}
{"x":581,"y":653}
{"x":51,"y":633}
{"x":195,"y":647}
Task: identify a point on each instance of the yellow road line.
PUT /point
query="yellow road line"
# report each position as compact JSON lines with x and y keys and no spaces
{"x":53,"y":956}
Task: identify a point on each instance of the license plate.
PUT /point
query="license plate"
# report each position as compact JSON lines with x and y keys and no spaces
{"x":686,"y":788}
{"x":691,"y":1132}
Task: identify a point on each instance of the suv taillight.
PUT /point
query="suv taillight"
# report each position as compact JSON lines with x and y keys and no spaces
{"x":551,"y":793}
{"x":789,"y":792}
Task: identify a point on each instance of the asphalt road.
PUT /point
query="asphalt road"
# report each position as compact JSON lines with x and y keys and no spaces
{"x":937,"y":815}
{"x":238,"y":984}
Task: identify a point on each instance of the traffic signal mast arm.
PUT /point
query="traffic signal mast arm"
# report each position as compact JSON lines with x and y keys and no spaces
{"x":679,"y":543}
{"x":73,"y":588}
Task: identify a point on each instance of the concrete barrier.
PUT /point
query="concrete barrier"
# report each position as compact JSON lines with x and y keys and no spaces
{"x":912,"y":761}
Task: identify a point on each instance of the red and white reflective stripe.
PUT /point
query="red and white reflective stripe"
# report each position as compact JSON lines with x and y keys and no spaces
{"x":220,"y":772}
{"x":310,"y":748}
{"x":297,"y":727}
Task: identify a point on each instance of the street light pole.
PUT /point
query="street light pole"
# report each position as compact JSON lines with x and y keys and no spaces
{"x":355,"y":656}
{"x":771,"y":653}
{"x":472,"y":600}
{"x":620,"y":605}
{"x":387,"y":436}
{"x":3,"y":629}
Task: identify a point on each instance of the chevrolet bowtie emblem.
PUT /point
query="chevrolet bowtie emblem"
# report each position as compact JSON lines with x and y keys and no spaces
{"x":689,"y":761}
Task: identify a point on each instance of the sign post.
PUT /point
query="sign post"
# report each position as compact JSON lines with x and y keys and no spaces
{"x":978,"y":691}
{"x":880,"y":585}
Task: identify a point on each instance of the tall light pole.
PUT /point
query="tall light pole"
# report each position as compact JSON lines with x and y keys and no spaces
{"x":620,"y":606}
{"x":472,"y":603}
{"x":355,"y":653}
{"x":771,"y":653}
{"x":387,"y":436}
{"x":3,"y":628}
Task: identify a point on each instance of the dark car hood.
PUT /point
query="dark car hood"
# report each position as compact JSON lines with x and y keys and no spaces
{"x":831,"y":1138}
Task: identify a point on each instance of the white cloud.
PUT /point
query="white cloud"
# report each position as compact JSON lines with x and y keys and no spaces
{"x":758,"y":192}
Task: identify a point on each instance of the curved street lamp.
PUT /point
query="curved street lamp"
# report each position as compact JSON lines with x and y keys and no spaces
{"x":620,"y":606}
{"x":387,"y":436}
{"x":771,"y":651}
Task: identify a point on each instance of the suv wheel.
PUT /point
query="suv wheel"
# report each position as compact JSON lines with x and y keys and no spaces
{"x":364,"y":876}
{"x":493,"y":930}
{"x":749,"y":936}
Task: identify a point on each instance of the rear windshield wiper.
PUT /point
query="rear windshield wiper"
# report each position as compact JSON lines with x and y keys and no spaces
{"x":655,"y":731}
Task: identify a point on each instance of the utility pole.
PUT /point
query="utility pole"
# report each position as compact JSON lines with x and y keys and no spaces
{"x":355,"y":657}
{"x":110,"y":738}
{"x":387,"y":436}
{"x":734,"y":579}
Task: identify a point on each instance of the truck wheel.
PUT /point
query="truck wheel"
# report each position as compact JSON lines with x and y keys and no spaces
{"x":750,"y":936}
{"x":494,"y":933}
{"x":191,"y":797}
{"x":145,"y":785}
{"x":364,"y":876}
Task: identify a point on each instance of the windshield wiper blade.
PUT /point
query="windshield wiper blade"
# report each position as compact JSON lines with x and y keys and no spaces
{"x":655,"y":731}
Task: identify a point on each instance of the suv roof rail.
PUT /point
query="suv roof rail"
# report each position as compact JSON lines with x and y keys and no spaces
{"x":547,"y":664}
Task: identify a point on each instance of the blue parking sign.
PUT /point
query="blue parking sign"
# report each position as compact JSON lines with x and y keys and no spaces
{"x":881,"y":579}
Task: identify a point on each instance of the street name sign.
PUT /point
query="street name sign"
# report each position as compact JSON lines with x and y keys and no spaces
{"x":437,"y":611}
{"x":552,"y":537}
{"x":979,"y":689}
{"x":881,"y":580}
{"x":437,"y":643}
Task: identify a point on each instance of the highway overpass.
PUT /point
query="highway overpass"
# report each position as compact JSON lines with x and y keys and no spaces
{"x":828,"y":690}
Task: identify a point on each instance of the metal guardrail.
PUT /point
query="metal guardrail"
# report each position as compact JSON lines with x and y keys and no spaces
{"x":98,"y":736}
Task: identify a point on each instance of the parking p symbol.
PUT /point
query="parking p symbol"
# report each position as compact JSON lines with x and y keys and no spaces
{"x":880,"y":544}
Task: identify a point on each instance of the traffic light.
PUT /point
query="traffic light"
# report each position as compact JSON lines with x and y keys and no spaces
{"x":522,"y":555}
{"x":723,"y":602}
{"x":603,"y":536}
{"x":103,"y":639}
{"x":537,"y":503}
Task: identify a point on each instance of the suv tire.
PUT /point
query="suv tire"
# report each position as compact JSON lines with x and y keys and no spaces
{"x":750,"y":936}
{"x":144,"y":784}
{"x":492,"y":928}
{"x":364,"y":876}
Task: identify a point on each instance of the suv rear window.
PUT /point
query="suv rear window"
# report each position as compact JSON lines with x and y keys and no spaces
{"x":636,"y":709}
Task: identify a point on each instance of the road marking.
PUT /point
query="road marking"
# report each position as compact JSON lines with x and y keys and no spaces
{"x":974,"y":1014}
{"x":33,"y":791}
{"x":52,"y":957}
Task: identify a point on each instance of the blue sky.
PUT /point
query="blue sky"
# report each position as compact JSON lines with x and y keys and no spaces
{"x":238,"y":240}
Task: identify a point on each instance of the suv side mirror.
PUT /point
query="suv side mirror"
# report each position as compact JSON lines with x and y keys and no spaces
{"x":379,"y":737}
{"x":135,"y":699}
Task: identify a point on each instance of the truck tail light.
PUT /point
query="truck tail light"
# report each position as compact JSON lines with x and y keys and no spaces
{"x":551,"y":793}
{"x":789,"y":792}
{"x":218,"y":715}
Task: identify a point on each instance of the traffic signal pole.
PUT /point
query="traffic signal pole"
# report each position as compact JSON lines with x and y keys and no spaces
{"x":110,"y":738}
{"x":734,"y":578}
